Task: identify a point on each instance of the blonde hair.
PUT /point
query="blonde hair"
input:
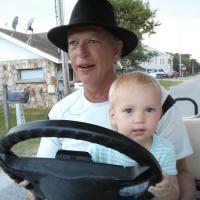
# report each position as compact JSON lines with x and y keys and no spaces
{"x":133,"y":79}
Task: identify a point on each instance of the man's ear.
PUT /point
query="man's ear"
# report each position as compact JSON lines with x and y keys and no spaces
{"x":118,"y":50}
{"x":112,"y":119}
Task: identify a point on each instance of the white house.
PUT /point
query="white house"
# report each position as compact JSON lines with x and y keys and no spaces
{"x":161,"y":61}
{"x":31,"y":63}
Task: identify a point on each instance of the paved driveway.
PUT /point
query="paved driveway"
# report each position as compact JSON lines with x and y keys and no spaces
{"x":10,"y":190}
{"x":189,"y":88}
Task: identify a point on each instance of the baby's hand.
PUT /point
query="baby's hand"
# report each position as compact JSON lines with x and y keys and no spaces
{"x":162,"y":188}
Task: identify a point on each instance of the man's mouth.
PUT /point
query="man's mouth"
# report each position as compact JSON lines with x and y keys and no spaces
{"x":85,"y":66}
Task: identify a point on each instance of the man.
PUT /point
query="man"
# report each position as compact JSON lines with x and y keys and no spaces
{"x":94,"y":44}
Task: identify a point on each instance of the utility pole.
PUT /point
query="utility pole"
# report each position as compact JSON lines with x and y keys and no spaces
{"x":180,"y":69}
{"x":192,"y":66}
{"x":65,"y":66}
{"x":180,"y":65}
{"x":5,"y":106}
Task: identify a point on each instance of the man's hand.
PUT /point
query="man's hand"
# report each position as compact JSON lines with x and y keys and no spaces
{"x":30,"y":195}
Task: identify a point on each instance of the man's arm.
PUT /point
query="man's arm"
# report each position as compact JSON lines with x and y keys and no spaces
{"x":185,"y":181}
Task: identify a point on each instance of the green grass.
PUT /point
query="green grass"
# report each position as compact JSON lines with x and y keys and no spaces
{"x":167,"y":84}
{"x":30,"y":115}
{"x":28,"y":147}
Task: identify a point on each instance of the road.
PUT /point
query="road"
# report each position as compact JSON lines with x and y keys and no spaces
{"x":189,"y":88}
{"x":10,"y":190}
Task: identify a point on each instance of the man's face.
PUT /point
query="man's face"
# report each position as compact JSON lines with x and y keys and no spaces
{"x":92,"y":53}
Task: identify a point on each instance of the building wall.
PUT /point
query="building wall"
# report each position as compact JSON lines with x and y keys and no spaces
{"x":10,"y":51}
{"x":42,"y":91}
{"x":162,"y":61}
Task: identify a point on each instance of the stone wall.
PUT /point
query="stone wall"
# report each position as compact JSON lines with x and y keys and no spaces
{"x":39,"y":93}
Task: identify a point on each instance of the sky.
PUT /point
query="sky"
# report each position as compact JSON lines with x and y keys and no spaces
{"x":179,"y":31}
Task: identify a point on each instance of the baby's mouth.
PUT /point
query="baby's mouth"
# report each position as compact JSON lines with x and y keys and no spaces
{"x":139,"y":131}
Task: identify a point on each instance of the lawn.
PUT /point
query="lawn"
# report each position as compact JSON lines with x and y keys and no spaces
{"x":169,"y":83}
{"x":30,"y":115}
{"x":29,"y":147}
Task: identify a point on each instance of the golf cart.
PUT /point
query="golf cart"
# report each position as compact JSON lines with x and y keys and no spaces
{"x":193,"y":126}
{"x":72,"y":175}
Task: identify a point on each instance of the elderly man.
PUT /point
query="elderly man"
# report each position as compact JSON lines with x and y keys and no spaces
{"x":94,"y":44}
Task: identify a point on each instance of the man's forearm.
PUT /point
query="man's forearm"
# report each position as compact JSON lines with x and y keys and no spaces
{"x":186,"y":186}
{"x":185,"y":181}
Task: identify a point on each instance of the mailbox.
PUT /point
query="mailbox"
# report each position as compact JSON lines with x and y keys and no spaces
{"x":18,"y":96}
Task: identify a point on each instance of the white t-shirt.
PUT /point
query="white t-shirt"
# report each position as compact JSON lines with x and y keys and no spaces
{"x":76,"y":107}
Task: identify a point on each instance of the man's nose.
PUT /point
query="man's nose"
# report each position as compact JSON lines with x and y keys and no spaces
{"x":82,"y":50}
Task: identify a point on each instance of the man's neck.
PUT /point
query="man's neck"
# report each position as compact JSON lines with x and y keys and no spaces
{"x":98,"y":93}
{"x":96,"y":96}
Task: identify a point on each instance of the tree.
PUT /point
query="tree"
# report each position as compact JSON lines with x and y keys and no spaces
{"x":137,"y":16}
{"x":191,"y":64}
{"x":175,"y":61}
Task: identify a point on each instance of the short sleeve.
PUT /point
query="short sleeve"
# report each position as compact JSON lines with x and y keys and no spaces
{"x":164,"y":152}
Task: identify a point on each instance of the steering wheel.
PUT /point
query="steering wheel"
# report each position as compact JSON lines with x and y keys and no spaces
{"x":77,"y":177}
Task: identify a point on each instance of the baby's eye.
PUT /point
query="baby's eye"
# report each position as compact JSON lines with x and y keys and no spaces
{"x":128,"y":110}
{"x":150,"y":109}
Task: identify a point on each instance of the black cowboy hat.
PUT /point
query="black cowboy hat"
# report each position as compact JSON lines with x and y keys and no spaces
{"x":98,"y":13}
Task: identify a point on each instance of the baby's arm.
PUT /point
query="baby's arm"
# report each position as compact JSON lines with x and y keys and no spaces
{"x":167,"y":189}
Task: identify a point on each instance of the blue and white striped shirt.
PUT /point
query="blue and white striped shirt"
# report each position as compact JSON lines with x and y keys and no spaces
{"x":161,"y":148}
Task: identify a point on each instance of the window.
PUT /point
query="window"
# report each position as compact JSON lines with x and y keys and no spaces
{"x":161,"y":70}
{"x":31,"y":74}
{"x":60,"y":75}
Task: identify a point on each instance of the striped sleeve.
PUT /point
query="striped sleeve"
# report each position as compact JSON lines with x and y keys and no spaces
{"x":106,"y":155}
{"x":164,"y":152}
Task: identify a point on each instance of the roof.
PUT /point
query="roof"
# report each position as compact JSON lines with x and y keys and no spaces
{"x":38,"y":41}
{"x":159,"y":52}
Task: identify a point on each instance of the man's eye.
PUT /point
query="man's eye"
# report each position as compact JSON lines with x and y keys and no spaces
{"x":72,"y":43}
{"x":93,"y":41}
{"x":150,"y":109}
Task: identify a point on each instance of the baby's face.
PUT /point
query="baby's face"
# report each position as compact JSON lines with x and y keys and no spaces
{"x":136,"y":113}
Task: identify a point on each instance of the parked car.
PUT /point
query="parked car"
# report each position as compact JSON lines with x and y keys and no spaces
{"x":131,"y":69}
{"x":157,"y":73}
{"x":151,"y":72}
{"x":171,"y":74}
{"x":160,"y":73}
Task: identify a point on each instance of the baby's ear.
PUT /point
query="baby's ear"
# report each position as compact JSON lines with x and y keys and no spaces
{"x":112,"y":119}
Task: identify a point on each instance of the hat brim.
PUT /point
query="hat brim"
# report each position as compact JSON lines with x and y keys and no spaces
{"x":58,"y":36}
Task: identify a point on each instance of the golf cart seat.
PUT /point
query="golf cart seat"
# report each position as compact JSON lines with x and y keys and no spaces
{"x":193,"y":161}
